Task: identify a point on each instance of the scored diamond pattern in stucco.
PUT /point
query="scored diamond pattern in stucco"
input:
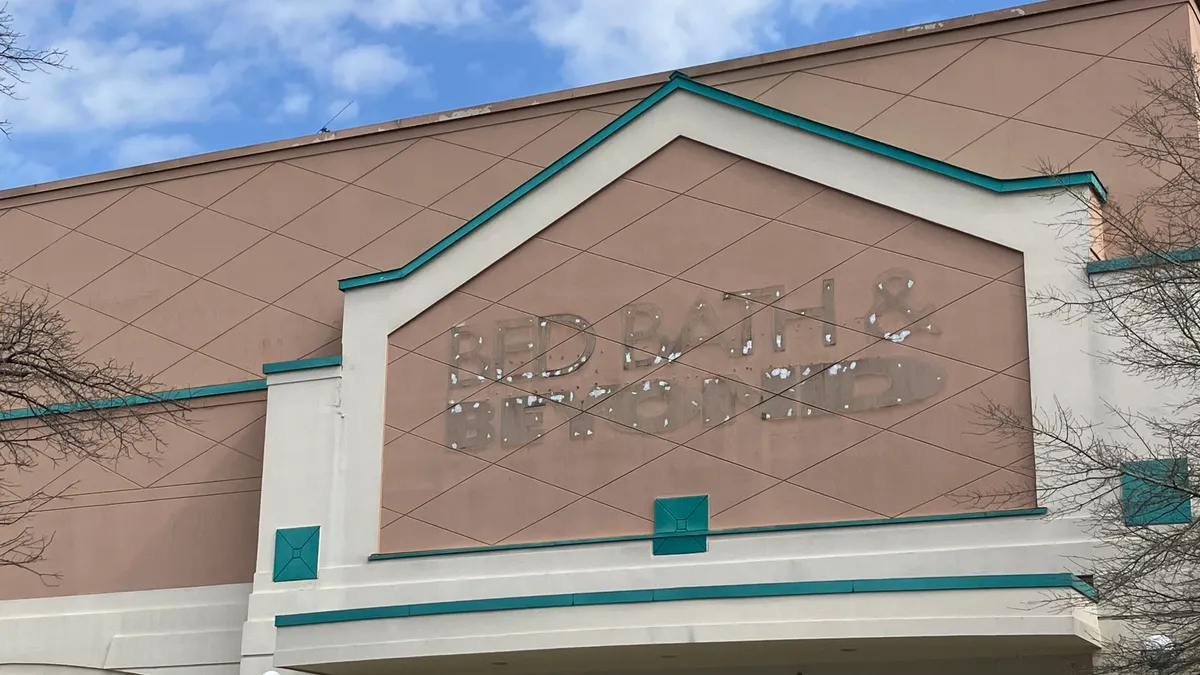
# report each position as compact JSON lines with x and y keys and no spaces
{"x":216,"y":225}
{"x":25,"y":235}
{"x":126,"y":224}
{"x":162,"y":496}
{"x":763,"y":465}
{"x":1097,"y":36}
{"x":208,"y":427}
{"x":218,"y":273}
{"x":976,"y":81}
{"x":278,"y":301}
{"x":899,"y":73}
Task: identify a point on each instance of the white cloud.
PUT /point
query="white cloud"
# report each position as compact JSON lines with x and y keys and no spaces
{"x":114,"y":80}
{"x":321,"y":36}
{"x":605,"y":39}
{"x":150,"y":148}
{"x":808,"y":11}
{"x":16,"y":169}
{"x":295,"y":102}
{"x":116,"y":85}
{"x":608,"y":39}
{"x":370,"y":68}
{"x":121,"y":79}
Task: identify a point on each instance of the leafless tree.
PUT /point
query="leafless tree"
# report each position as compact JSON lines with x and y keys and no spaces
{"x":55,"y":404}
{"x":58,"y":406}
{"x":18,"y":60}
{"x":1130,"y":467}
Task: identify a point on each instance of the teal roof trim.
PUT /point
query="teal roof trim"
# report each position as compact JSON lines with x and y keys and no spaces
{"x":679,"y":81}
{"x":1133,"y":262}
{"x":767,"y":529}
{"x":104,"y":404}
{"x":304,"y":364}
{"x":1001,"y":185}
{"x":721,"y":592}
{"x":506,"y":201}
{"x":174,"y":394}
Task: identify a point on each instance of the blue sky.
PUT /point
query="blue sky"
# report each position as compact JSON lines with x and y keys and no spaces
{"x":157,"y":79}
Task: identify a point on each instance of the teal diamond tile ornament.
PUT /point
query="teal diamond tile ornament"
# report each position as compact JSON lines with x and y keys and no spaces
{"x":675,"y":515}
{"x":296,"y":552}
{"x":1148,"y":495}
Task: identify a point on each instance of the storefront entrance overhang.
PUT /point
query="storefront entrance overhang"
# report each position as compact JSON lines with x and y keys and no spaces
{"x":357,"y":612}
{"x":781,"y":657}
{"x":1047,"y":615}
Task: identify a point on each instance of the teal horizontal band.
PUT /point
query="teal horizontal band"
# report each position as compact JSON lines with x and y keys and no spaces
{"x":712,"y":533}
{"x":305,"y":364}
{"x":771,"y":590}
{"x":1087,"y":590}
{"x":104,"y":404}
{"x":678,"y":81}
{"x":174,"y":394}
{"x":1133,"y":262}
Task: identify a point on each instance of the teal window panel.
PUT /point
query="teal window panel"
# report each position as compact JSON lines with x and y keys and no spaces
{"x":296,"y":552}
{"x":676,"y":517}
{"x":1151,"y":494}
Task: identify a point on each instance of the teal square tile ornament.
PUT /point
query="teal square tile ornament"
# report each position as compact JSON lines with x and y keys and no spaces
{"x":676,"y":515}
{"x":296,"y":553}
{"x":1147,"y":494}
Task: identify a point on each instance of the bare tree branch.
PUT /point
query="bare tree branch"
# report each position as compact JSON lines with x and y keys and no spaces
{"x":17,"y":60}
{"x":71,"y":409}
{"x":1148,"y":576}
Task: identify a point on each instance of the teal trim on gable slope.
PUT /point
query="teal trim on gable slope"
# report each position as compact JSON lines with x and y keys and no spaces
{"x":711,"y":533}
{"x":304,"y":364}
{"x":1133,"y":262}
{"x":679,"y":81}
{"x":771,"y":590}
{"x":173,"y":395}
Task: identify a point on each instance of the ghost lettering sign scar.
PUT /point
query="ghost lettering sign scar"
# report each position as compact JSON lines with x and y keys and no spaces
{"x":656,"y":368}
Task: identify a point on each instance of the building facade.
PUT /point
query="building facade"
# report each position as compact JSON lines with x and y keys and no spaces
{"x":676,"y":373}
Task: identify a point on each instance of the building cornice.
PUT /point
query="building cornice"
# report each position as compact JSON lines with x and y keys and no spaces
{"x":1039,"y":15}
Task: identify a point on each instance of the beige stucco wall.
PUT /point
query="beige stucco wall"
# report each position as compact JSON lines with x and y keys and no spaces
{"x":179,"y":513}
{"x":688,"y":409}
{"x":201,"y":279}
{"x":199,"y":275}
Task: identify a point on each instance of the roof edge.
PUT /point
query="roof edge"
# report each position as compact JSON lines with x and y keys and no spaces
{"x":129,"y":401}
{"x":627,"y":84}
{"x":1150,"y":260}
{"x":680,"y":81}
{"x":302,"y":364}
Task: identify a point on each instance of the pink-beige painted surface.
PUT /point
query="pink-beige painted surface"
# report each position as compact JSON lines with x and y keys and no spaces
{"x":203,"y":278}
{"x":179,"y":513}
{"x":708,"y":325}
{"x":201,"y":274}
